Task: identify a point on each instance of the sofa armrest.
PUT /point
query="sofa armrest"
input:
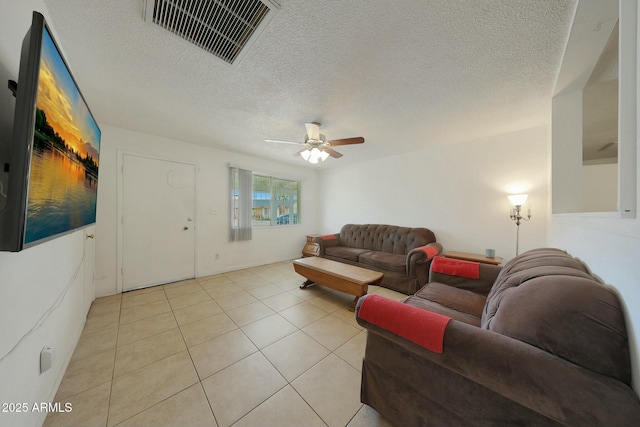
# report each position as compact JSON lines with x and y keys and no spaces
{"x":418,"y":260}
{"x":327,"y":240}
{"x":534,"y":378}
{"x":468,"y":275}
{"x":422,"y":327}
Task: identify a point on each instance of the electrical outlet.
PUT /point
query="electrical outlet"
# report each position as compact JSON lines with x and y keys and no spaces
{"x":217,"y":256}
{"x":46,"y":359}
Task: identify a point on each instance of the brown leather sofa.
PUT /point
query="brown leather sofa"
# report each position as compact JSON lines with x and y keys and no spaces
{"x":403,"y":254}
{"x":538,"y":342}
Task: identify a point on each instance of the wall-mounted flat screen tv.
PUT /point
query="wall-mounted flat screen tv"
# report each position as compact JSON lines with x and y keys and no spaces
{"x":53,"y":168}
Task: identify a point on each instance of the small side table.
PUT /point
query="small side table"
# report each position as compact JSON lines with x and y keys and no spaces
{"x":473,"y":257}
{"x":311,"y":248}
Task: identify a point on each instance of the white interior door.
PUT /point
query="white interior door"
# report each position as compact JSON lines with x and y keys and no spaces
{"x":158,"y":237}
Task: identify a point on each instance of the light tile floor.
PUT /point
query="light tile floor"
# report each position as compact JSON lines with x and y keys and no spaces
{"x":245,"y":348}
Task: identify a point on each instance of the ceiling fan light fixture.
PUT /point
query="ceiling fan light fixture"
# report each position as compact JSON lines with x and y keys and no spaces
{"x":305,"y":154}
{"x":316,"y":154}
{"x":316,"y":145}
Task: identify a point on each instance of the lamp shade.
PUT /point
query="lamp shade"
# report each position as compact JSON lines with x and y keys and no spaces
{"x":518,"y":199}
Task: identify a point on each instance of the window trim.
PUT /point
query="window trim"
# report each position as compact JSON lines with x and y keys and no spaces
{"x":273,"y":201}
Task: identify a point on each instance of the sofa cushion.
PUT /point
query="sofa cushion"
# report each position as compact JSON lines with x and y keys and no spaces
{"x":435,"y":307}
{"x":534,"y":263}
{"x":344,"y":252}
{"x":385,"y":238}
{"x":456,"y":299}
{"x":558,"y":306}
{"x":393,"y":262}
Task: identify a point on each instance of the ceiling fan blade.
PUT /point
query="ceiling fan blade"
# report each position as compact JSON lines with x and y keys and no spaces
{"x":607,"y":145}
{"x":313,"y":130}
{"x":346,"y":141}
{"x":283,"y":142}
{"x":332,"y":153}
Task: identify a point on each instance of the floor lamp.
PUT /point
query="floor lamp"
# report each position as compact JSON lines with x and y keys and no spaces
{"x":517,"y":200}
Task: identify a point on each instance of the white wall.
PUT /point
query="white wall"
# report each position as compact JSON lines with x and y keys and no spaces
{"x":269,"y":244}
{"x":42,"y":289}
{"x":600,"y":187}
{"x":48,"y":278}
{"x":610,"y":246}
{"x":610,"y":243}
{"x":566,"y":179}
{"x":459,"y":191}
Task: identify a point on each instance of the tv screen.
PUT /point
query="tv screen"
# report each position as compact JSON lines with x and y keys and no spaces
{"x":53,"y":170}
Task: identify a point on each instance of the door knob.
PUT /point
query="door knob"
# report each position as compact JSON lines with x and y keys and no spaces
{"x":186,"y":228}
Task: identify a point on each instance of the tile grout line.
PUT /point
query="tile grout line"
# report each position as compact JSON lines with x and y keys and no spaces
{"x":331,"y":308}
{"x":142,"y":367}
{"x":288,"y":382}
{"x":193,"y":365}
{"x":113,"y":368}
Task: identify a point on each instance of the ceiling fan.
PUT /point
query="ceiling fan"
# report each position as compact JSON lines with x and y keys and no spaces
{"x":316,"y":146}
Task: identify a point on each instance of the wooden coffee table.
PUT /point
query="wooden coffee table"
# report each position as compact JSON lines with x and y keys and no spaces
{"x":336,"y":275}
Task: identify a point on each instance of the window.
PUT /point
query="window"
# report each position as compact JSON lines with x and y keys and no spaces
{"x":259,"y":200}
{"x":275,"y":201}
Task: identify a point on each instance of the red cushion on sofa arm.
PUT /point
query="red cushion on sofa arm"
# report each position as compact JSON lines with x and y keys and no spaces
{"x":419,"y":259}
{"x":330,"y":236}
{"x":456,"y":267}
{"x":429,"y":250}
{"x":420,"y":326}
{"x":327,"y":241}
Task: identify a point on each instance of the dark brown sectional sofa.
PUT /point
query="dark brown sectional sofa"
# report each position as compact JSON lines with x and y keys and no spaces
{"x":538,"y":342}
{"x":403,"y":254}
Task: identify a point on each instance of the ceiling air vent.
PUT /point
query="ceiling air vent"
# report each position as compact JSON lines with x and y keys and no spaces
{"x":224,"y":28}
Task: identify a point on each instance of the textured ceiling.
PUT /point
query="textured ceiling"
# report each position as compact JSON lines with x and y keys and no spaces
{"x":402,"y":74}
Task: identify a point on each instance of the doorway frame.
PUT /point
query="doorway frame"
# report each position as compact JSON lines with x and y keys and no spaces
{"x":120,"y":154}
